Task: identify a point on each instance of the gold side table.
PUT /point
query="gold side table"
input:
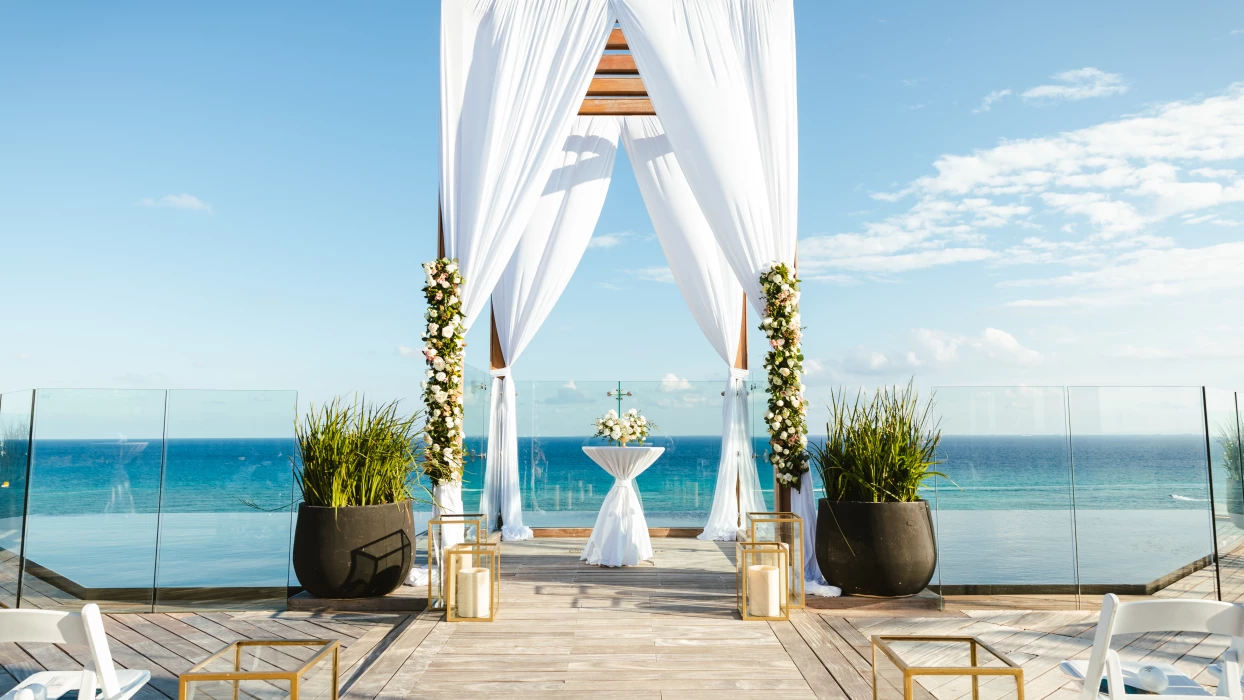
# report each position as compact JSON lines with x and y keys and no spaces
{"x":943,"y":666}
{"x":266,"y":663}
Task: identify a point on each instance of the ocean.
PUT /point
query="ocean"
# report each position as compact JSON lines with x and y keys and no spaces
{"x":99,"y":515}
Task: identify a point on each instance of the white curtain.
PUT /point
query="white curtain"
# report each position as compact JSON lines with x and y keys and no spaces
{"x":547,"y":255}
{"x":716,"y":302}
{"x":513,"y":74}
{"x":721,"y":73}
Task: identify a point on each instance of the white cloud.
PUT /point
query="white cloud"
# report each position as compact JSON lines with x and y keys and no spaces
{"x":1108,"y":188}
{"x":406,"y":351}
{"x":1235,"y":32}
{"x":813,"y":367}
{"x":943,"y":348}
{"x":610,"y":287}
{"x":654,"y":274}
{"x":1144,"y":275}
{"x":177,"y":201}
{"x":987,"y":102}
{"x":1079,"y":84}
{"x":608,"y":240}
{"x":671,"y":383}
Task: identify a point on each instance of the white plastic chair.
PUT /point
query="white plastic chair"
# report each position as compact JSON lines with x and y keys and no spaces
{"x":1203,"y":616}
{"x":84,"y":629}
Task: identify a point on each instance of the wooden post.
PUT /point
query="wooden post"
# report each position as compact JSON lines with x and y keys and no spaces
{"x":496,"y":358}
{"x":440,"y":233}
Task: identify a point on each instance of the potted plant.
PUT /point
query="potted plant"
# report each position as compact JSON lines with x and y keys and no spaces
{"x":874,"y":534}
{"x":355,"y":533}
{"x":1229,"y":441}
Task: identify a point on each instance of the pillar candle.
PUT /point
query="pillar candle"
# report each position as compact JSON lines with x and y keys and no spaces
{"x":474,"y":595}
{"x":764,"y":591}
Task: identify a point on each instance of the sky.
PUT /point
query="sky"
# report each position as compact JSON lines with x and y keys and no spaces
{"x":238,"y":196}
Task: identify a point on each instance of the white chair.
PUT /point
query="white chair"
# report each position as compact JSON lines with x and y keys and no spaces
{"x":1203,"y":616}
{"x":84,"y":629}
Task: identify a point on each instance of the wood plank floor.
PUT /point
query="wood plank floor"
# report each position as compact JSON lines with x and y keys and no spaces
{"x":567,"y":630}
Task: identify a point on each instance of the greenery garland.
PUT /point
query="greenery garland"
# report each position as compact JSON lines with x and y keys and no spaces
{"x":444,"y":345}
{"x":787,"y":418}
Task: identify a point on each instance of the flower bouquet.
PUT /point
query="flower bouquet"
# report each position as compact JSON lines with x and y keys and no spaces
{"x":628,"y":427}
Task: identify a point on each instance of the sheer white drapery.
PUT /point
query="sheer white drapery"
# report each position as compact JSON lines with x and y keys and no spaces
{"x":513,"y":74}
{"x":715,"y":299}
{"x":542,"y":264}
{"x":721,"y":74}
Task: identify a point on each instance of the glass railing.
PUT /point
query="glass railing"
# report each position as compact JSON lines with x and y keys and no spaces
{"x":562,"y":487}
{"x":1081,"y":491}
{"x":146,"y":500}
{"x":152,"y":500}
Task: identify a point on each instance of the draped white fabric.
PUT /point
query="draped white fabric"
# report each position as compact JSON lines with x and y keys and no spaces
{"x":721,"y":73}
{"x":513,"y":74}
{"x":541,"y":267}
{"x":620,"y":536}
{"x":715,"y":299}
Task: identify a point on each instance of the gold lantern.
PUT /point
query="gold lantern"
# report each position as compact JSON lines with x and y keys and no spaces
{"x":472,"y":582}
{"x":763,"y":593}
{"x":957,"y":666}
{"x":445,"y":531}
{"x":786,"y":528}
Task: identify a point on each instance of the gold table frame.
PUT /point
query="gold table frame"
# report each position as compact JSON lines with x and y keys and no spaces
{"x":196,"y":674}
{"x":882,"y":642}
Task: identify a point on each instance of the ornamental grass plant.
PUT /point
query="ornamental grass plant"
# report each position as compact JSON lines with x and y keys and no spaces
{"x":357,"y":455}
{"x":879,"y":448}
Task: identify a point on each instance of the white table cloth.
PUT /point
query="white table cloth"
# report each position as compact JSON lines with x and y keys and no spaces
{"x":620,"y":537}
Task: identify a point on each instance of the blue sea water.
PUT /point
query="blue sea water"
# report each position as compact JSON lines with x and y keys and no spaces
{"x":99,"y":513}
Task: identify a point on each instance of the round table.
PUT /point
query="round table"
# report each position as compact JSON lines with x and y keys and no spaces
{"x":620,"y":537}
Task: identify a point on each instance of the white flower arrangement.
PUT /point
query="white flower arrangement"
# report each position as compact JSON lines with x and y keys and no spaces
{"x":628,"y":427}
{"x":444,"y":343}
{"x":787,"y":414}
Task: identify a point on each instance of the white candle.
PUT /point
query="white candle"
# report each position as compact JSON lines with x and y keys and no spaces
{"x":764,"y":591}
{"x":474,"y":597}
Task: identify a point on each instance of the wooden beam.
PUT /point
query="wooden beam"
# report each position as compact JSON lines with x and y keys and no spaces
{"x":496,"y":358}
{"x":740,"y":355}
{"x":617,"y":106}
{"x":616,"y":42}
{"x":617,"y":64}
{"x":440,"y":232}
{"x":616,"y":87}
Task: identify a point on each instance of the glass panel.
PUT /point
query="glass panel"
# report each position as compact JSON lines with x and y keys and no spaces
{"x":561,"y":487}
{"x":477,"y":402}
{"x":760,"y":437}
{"x":1005,"y":525}
{"x":1143,"y":521}
{"x":15,"y":410}
{"x":94,"y":494}
{"x":1228,"y":480}
{"x":228,"y":485}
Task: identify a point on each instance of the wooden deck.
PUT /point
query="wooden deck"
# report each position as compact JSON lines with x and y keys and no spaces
{"x":665,"y":630}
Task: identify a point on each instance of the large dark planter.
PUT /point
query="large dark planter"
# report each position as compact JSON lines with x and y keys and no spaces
{"x":892,"y":551}
{"x":353,"y":551}
{"x":1235,"y":502}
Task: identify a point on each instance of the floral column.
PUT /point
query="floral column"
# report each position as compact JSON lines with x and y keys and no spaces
{"x":787,"y":415}
{"x":444,"y":347}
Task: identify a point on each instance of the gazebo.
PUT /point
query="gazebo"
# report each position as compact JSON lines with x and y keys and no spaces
{"x":535,"y":97}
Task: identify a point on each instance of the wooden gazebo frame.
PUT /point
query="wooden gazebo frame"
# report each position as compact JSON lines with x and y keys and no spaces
{"x":617,"y":90}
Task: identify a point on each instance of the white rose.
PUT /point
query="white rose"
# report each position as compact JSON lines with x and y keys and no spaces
{"x":785,"y":372}
{"x":434,"y":327}
{"x":445,"y":284}
{"x":780,"y":402}
{"x":440,"y":376}
{"x":438,"y":364}
{"x":447,"y":332}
